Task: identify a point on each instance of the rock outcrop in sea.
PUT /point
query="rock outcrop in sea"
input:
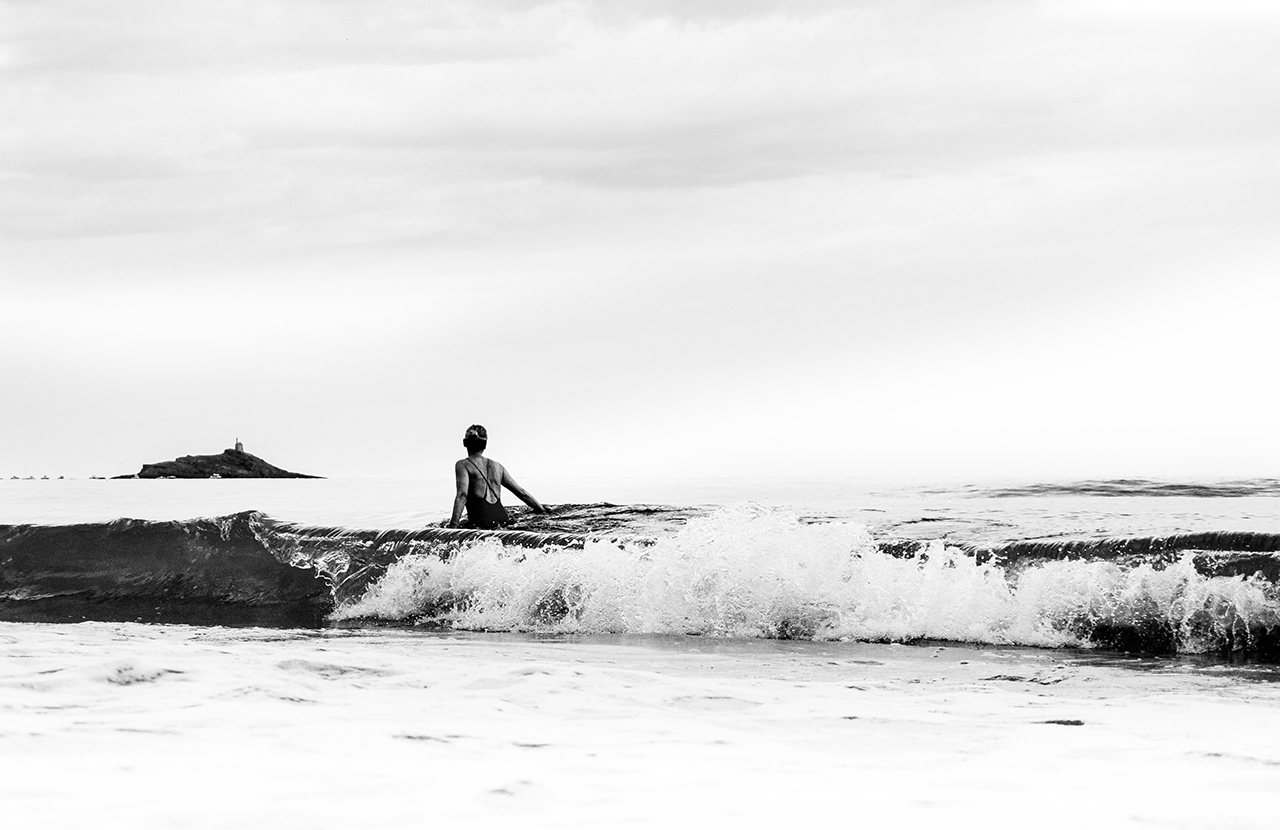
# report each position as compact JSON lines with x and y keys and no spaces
{"x":228,"y":464}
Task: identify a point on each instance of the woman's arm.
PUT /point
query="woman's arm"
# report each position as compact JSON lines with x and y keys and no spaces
{"x":521,"y":493}
{"x":460,"y":500}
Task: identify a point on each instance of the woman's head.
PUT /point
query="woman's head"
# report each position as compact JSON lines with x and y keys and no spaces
{"x":476,"y":438}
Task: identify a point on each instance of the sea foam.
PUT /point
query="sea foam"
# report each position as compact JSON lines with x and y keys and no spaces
{"x":747,"y":571}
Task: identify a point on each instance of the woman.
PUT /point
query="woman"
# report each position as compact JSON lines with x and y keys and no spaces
{"x":480,"y":482}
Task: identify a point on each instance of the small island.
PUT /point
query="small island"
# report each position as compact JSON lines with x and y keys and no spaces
{"x":233,"y":463}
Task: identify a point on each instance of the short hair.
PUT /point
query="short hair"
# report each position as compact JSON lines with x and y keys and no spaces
{"x":476,"y":438}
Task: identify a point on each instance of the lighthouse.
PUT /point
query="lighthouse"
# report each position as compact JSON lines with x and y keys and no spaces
{"x":239,"y":446}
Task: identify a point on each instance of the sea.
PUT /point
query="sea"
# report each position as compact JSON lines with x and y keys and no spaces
{"x":677,"y":653}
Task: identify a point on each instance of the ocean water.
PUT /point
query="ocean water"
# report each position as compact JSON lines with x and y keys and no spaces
{"x":209,"y":653}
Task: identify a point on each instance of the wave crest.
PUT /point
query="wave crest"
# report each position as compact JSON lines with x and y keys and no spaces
{"x":745,"y":571}
{"x":750,"y":572}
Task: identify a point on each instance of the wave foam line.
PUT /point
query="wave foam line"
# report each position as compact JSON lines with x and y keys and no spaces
{"x":751,"y":572}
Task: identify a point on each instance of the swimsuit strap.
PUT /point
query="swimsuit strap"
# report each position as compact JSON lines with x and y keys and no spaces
{"x":487,"y":487}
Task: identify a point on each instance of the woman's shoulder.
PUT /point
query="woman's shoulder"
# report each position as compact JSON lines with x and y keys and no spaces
{"x":485,"y":463}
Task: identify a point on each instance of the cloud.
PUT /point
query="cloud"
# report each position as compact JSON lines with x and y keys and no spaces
{"x":721,"y":207}
{"x":189,"y":121}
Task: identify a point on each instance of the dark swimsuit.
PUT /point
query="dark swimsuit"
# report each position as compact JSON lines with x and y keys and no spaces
{"x":481,"y":512}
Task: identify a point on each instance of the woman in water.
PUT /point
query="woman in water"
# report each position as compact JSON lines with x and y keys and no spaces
{"x":480,"y":482}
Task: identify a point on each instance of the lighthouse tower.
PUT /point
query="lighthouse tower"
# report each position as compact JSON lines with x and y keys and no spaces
{"x":239,"y":446}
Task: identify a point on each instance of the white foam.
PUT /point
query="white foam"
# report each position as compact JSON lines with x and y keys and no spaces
{"x":748,"y":571}
{"x":393,"y":729}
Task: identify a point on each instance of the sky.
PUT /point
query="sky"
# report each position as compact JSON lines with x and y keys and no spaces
{"x":733,"y":238}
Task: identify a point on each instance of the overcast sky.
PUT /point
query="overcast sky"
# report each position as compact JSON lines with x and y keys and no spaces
{"x":732,"y":238}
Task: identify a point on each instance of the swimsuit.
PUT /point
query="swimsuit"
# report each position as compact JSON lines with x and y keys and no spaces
{"x":481,"y":512}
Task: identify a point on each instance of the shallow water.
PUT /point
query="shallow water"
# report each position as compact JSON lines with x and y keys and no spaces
{"x":358,"y":723}
{"x":210,"y":727}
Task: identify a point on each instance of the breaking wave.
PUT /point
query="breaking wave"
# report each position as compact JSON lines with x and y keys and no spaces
{"x":744,"y":571}
{"x":751,"y":572}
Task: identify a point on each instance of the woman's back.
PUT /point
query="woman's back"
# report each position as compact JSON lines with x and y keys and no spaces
{"x":484,"y":491}
{"x":485,"y":476}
